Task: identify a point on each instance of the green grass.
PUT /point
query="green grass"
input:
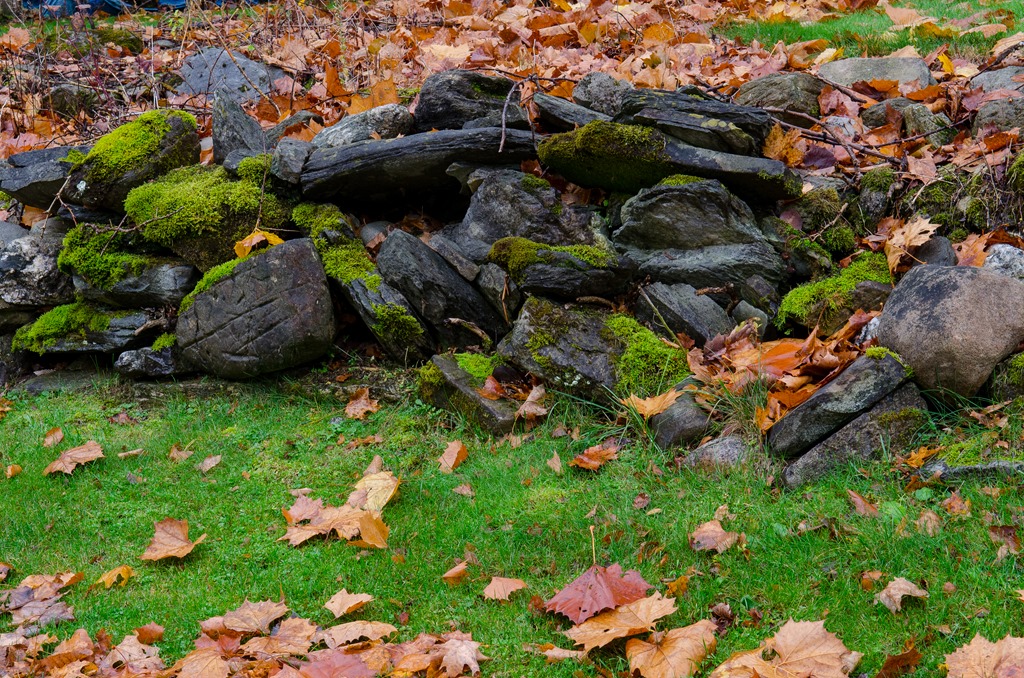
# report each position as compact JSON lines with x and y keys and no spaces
{"x":870,"y":32}
{"x":525,"y":522}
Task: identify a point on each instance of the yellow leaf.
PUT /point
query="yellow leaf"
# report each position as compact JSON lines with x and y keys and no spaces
{"x":947,"y":64}
{"x":108,"y":579}
{"x":249,"y":242}
{"x":648,"y":407}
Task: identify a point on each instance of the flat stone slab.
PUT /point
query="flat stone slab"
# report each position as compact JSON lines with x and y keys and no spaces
{"x":457,"y":393}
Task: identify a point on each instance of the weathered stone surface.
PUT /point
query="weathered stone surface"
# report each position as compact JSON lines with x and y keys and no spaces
{"x":436,"y":291}
{"x":1008,"y":379}
{"x":711,"y":266}
{"x":796,"y":92}
{"x":835,"y":404}
{"x":288,"y":160}
{"x":1005,"y":259}
{"x":213,"y":69}
{"x":405,"y":339}
{"x":745,"y":311}
{"x":272,"y":312}
{"x":69,"y":99}
{"x":36,"y":184}
{"x":145,"y":363}
{"x":386,"y":171}
{"x":1000,"y":78}
{"x":601,"y":92}
{"x":29,"y":276}
{"x":953,"y":324}
{"x":721,"y":454}
{"x":939,"y":252}
{"x":500,"y":290}
{"x":456,"y":392}
{"x":698,"y":130}
{"x":918,"y":119}
{"x":10,"y":232}
{"x":386,"y":122}
{"x":575,"y":354}
{"x":877,"y":114}
{"x":64,"y":381}
{"x":684,"y":422}
{"x":1001,"y":115}
{"x":562,"y":275}
{"x":450,"y":99}
{"x":804,"y":260}
{"x":945,"y":473}
{"x":275,"y":133}
{"x":901,"y":69}
{"x":123,"y":332}
{"x":889,"y":425}
{"x":235,"y":130}
{"x":454,"y":255}
{"x":690,"y":111}
{"x":558,"y":114}
{"x":162,"y":285}
{"x":683,"y":310}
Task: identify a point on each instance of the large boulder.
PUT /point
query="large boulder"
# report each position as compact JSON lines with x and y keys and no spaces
{"x":451,"y":99}
{"x":901,"y":69}
{"x":436,"y":292}
{"x":214,"y":69}
{"x":29,"y":276}
{"x":382,"y":122}
{"x":796,"y":92}
{"x":272,"y":312}
{"x":953,"y":324}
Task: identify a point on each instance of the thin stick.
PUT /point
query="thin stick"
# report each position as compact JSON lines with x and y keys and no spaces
{"x":593,"y":546}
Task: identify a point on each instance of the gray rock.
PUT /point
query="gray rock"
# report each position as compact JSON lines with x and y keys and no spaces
{"x":901,"y":69}
{"x":13,"y":318}
{"x":385,"y":172}
{"x":1001,"y":115}
{"x":1005,"y":259}
{"x":214,"y":69}
{"x":1000,"y":78}
{"x":1008,"y":379}
{"x":888,"y":426}
{"x":682,"y":310}
{"x":50,"y":231}
{"x":12,"y":363}
{"x":830,"y":317}
{"x":698,"y":130}
{"x":945,"y":473}
{"x":953,"y":324}
{"x":165,"y":284}
{"x":42,"y":155}
{"x":601,"y":92}
{"x":745,"y":311}
{"x":454,"y":255}
{"x":939,"y":252}
{"x":457,"y":393}
{"x":876,"y":115}
{"x":844,"y":125}
{"x":500,"y":290}
{"x":805,"y":259}
{"x":722,"y":454}
{"x":450,"y":99}
{"x":145,"y":363}
{"x":10,"y":232}
{"x":271,"y":313}
{"x":436,"y":291}
{"x":562,"y":275}
{"x":235,"y":159}
{"x":560,"y":115}
{"x":29,"y":276}
{"x":386,"y":122}
{"x":711,"y":266}
{"x":36,"y":185}
{"x":288,"y":160}
{"x":125,"y":331}
{"x":684,"y":422}
{"x":235,"y":130}
{"x":866,"y":381}
{"x":918,"y":119}
{"x":512,"y":117}
{"x":373,"y":230}
{"x":390,"y":318}
{"x":69,"y":99}
{"x":796,"y":92}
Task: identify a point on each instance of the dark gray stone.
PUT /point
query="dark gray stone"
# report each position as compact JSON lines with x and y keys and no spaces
{"x":165,"y":284}
{"x":561,"y":275}
{"x":373,"y":230}
{"x":235,"y":130}
{"x":458,"y":393}
{"x":12,"y":363}
{"x":500,"y":290}
{"x":1001,"y":115}
{"x":866,"y":381}
{"x":804,"y":260}
{"x":450,"y":99}
{"x":511,"y":117}
{"x":236,"y":157}
{"x":700,"y":131}
{"x":953,"y":324}
{"x":945,"y":473}
{"x":1008,"y":77}
{"x":682,"y":310}
{"x":745,"y":311}
{"x":557,"y":114}
{"x":409,"y":342}
{"x":386,"y":122}
{"x":888,"y":426}
{"x":10,"y":232}
{"x":918,"y":119}
{"x":125,"y":331}
{"x":454,"y":255}
{"x":214,"y":69}
{"x":684,"y":422}
{"x":601,"y":92}
{"x":271,"y":313}
{"x":712,"y":266}
{"x":50,"y":231}
{"x":385,"y":172}
{"x":939,"y":251}
{"x":436,"y":291}
{"x":11,"y":318}
{"x":901,"y":69}
{"x":36,"y":185}
{"x":288,"y":160}
{"x":1005,"y":259}
{"x":797,"y":92}
{"x":29,"y":276}
{"x":722,"y":454}
{"x":145,"y":363}
{"x":867,"y":295}
{"x":876,"y":115}
{"x":42,"y":155}
{"x":63,"y":381}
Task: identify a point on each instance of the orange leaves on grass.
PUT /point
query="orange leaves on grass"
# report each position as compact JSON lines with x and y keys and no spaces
{"x":624,"y":621}
{"x":71,"y":459}
{"x":648,"y":407}
{"x":108,"y":579}
{"x":170,"y":540}
{"x":53,"y":437}
{"x":596,"y":590}
{"x":501,"y":588}
{"x":343,"y":602}
{"x":798,"y":649}
{"x":453,"y":456}
{"x":711,"y":536}
{"x":673,"y":654}
{"x":596,"y":456}
{"x":982,"y":657}
{"x":361,"y":404}
{"x":892,"y":595}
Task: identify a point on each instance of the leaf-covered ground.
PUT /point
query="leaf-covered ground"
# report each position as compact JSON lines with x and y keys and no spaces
{"x":820,"y":554}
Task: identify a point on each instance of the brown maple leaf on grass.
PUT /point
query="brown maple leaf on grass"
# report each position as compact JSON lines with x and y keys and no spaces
{"x":69,"y":460}
{"x":343,"y":602}
{"x":892,"y":595}
{"x":108,"y":579}
{"x":170,"y":540}
{"x":711,"y":536}
{"x":649,"y":407}
{"x":501,"y":588}
{"x":360,"y":404}
{"x":622,"y":622}
{"x":673,"y":654}
{"x":596,"y":456}
{"x":453,"y":456}
{"x":596,"y":590}
{"x":982,"y":658}
{"x":798,"y":649}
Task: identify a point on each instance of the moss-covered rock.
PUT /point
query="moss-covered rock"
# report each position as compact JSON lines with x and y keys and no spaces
{"x":516,"y":254}
{"x":819,"y":208}
{"x":957,"y":199}
{"x":212,"y":276}
{"x":102,"y":259}
{"x":59,"y":323}
{"x":165,"y":340}
{"x":444,"y":383}
{"x":120,"y":37}
{"x":839,"y":241}
{"x":478,"y":366}
{"x":345,"y":258}
{"x":646,"y":365}
{"x":808,"y":259}
{"x":395,"y":322}
{"x":200,"y":213}
{"x":820,"y":300}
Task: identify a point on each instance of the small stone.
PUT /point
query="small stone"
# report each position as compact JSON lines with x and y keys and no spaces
{"x":213,"y":69}
{"x":450,"y":99}
{"x":939,"y":251}
{"x":721,"y":454}
{"x":1008,"y":77}
{"x":796,"y":92}
{"x":235,"y":130}
{"x":447,"y":386}
{"x":145,"y":363}
{"x":288,"y":159}
{"x":1000,"y":115}
{"x":1004,"y":259}
{"x":382,"y":122}
{"x":684,"y":422}
{"x":682,"y":310}
{"x":557,"y":114}
{"x":601,"y":92}
{"x":918,"y":119}
{"x":877,"y":115}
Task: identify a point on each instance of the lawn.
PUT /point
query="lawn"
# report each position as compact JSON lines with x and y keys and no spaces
{"x":525,"y":521}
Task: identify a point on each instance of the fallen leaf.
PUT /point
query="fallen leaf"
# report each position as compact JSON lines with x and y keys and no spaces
{"x":596,"y":456}
{"x":900,"y":664}
{"x":170,"y":540}
{"x":372,"y":531}
{"x":906,"y":238}
{"x":955,"y":505}
{"x":501,"y":588}
{"x":456,"y":574}
{"x":984,"y":659}
{"x":110,"y":578}
{"x":254,"y":617}
{"x":360,"y":404}
{"x":250,"y":242}
{"x":373,"y":491}
{"x":5,"y":569}
{"x":454,"y":455}
{"x":648,"y":407}
{"x":70,"y":459}
{"x":624,"y":621}
{"x":596,"y":590}
{"x":1007,"y":538}
{"x":783,"y":146}
{"x":131,"y":453}
{"x":532,"y":409}
{"x":53,"y":437}
{"x":150,"y":633}
{"x":674,"y":654}
{"x":892,"y":595}
{"x":798,"y":649}
{"x":555,"y":463}
{"x":293,"y":636}
{"x":343,"y":634}
{"x":12,"y":471}
{"x":556,"y":654}
{"x":465,"y":490}
{"x":929,"y":524}
{"x":343,"y":602}
{"x":207,"y":464}
{"x":178,"y":453}
{"x":711,"y":536}
{"x":461,"y":656}
{"x":862,"y":506}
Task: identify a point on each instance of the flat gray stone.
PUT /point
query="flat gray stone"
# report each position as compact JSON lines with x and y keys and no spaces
{"x":561,"y":115}
{"x":213,"y":69}
{"x":145,"y":363}
{"x":124,"y":332}
{"x":382,"y":122}
{"x":288,"y":160}
{"x":682,"y":310}
{"x":721,"y":454}
{"x":458,"y":393}
{"x":408,"y":342}
{"x":1000,"y":78}
{"x":796,"y":92}
{"x":1001,"y":115}
{"x":876,"y":115}
{"x":29,"y":276}
{"x":901,"y":69}
{"x":684,"y":422}
{"x":235,"y":130}
{"x":162,"y":285}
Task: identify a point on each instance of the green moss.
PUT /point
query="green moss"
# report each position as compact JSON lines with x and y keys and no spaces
{"x":430,"y":378}
{"x":532,"y":182}
{"x":819,"y":208}
{"x":131,"y":145}
{"x":120,"y":37}
{"x":878,"y":180}
{"x":214,"y":275}
{"x":75,"y":158}
{"x":1015,"y":370}
{"x":880,"y":352}
{"x":348,"y":262}
{"x":516,"y":254}
{"x":59,"y":323}
{"x":804,"y":303}
{"x":165,"y":340}
{"x":255,"y":169}
{"x":100,"y":258}
{"x":1015,"y":174}
{"x":679,"y":180}
{"x":646,"y":366}
{"x":956,"y":199}
{"x":396,"y":323}
{"x":839,"y":241}
{"x":477,"y":366}
{"x":606,"y":154}
{"x":314,"y":218}
{"x":958,"y":234}
{"x":908,"y":416}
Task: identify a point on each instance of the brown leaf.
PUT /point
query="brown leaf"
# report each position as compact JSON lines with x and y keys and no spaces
{"x":465,"y":490}
{"x":69,"y":459}
{"x":711,"y":536}
{"x":532,"y":409}
{"x":12,"y":471}
{"x":5,"y":569}
{"x":179,"y":453}
{"x":170,"y":540}
{"x":150,"y":633}
{"x":929,"y":524}
{"x":596,"y":456}
{"x":254,"y":617}
{"x":1007,"y":538}
{"x":674,"y":654}
{"x":454,"y":455}
{"x":373,"y":491}
{"x":361,"y":404}
{"x":492,"y":389}
{"x":783,"y":146}
{"x":596,"y":590}
{"x":343,"y":634}
{"x":862,"y":506}
{"x":501,"y":588}
{"x":15,"y":39}
{"x":202,"y":663}
{"x":622,"y":622}
{"x":798,"y":649}
{"x":556,"y":654}
{"x":555,"y":463}
{"x":892,"y":595}
{"x":900,"y":664}
{"x":131,"y":453}
{"x":373,"y":533}
{"x":906,"y":238}
{"x":207,"y":464}
{"x":648,"y":407}
{"x":343,"y":602}
{"x":955,"y":505}
{"x":456,"y":574}
{"x":293,"y":636}
{"x":981,"y":659}
{"x":53,"y":437}
{"x":108,"y":579}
